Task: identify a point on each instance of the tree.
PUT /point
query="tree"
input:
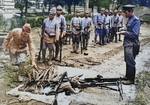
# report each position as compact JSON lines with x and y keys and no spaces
{"x":20,"y":6}
{"x":100,"y":3}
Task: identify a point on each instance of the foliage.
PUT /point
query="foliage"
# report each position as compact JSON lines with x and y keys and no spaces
{"x":100,"y":3}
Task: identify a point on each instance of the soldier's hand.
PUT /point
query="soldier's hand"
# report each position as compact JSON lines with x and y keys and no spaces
{"x":62,"y":36}
{"x":35,"y":66}
{"x":121,"y":32}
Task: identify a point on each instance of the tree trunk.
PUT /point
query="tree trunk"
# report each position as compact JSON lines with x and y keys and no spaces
{"x":21,"y":13}
{"x":92,"y":10}
{"x":26,"y":8}
{"x":49,"y":7}
{"x":74,"y":8}
{"x":69,"y":9}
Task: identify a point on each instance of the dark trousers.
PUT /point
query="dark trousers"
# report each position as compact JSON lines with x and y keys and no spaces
{"x":119,"y":34}
{"x":114,"y":30}
{"x":101,"y":35}
{"x":57,"y":48}
{"x":85,"y":39}
{"x":130,"y":55}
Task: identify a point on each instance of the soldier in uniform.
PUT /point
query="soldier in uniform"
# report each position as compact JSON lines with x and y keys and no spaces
{"x":50,"y":34}
{"x":131,"y":42}
{"x":87,"y":26}
{"x":110,"y":29}
{"x":120,"y":25}
{"x":16,"y":41}
{"x":100,"y":26}
{"x":62,"y":26}
{"x":115,"y":22}
{"x":107,"y":24}
{"x":75,"y":26}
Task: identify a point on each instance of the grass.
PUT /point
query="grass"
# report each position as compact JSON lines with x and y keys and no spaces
{"x":142,"y":89}
{"x":11,"y":73}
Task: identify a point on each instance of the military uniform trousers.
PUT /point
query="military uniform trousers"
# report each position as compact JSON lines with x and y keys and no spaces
{"x":130,"y":53}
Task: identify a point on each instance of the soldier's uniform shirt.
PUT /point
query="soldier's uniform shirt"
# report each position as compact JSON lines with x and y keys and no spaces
{"x":120,"y":24}
{"x":132,"y":33}
{"x":61,"y":20}
{"x":17,"y":43}
{"x":50,"y":26}
{"x":75,"y":20}
{"x":115,"y":21}
{"x":87,"y":22}
{"x":107,"y":22}
{"x":100,"y":20}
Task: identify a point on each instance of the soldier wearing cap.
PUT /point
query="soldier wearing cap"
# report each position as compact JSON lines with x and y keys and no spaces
{"x":110,"y":30}
{"x":62,"y":26}
{"x":50,"y":34}
{"x":107,"y":24}
{"x":87,"y":26}
{"x":100,"y":26}
{"x":131,"y":42}
{"x":115,"y":22}
{"x":17,"y":41}
{"x":75,"y":27}
{"x":121,"y":19}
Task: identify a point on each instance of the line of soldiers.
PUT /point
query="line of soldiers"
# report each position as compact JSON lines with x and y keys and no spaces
{"x":107,"y":24}
{"x":54,"y":30}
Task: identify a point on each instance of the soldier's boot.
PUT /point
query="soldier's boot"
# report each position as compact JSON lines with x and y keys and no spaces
{"x":74,"y":49}
{"x":77,"y":47}
{"x":43,"y":55}
{"x":50,"y":58}
{"x":21,"y":77}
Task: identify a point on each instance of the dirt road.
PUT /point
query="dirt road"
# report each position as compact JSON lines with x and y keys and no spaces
{"x":107,"y":60}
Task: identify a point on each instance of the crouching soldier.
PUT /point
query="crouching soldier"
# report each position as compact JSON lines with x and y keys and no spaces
{"x":16,"y":41}
{"x":87,"y":25}
{"x":75,"y":26}
{"x":50,"y":34}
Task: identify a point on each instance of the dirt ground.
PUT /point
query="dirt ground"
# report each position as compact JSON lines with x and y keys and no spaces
{"x":107,"y":60}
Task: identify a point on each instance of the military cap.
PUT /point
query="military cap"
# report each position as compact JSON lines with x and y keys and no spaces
{"x":115,"y":11}
{"x":128,"y":7}
{"x":77,"y":11}
{"x":86,"y":12}
{"x":52,"y":11}
{"x":102,"y":9}
{"x":59,"y":8}
{"x":120,"y":10}
{"x":110,"y":11}
{"x":106,"y":10}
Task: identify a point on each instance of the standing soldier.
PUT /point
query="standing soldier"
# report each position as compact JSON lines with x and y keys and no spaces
{"x":131,"y":43}
{"x":50,"y":34}
{"x":115,"y":22}
{"x":75,"y":26}
{"x":110,"y":30}
{"x":62,"y":26}
{"x":100,"y":26}
{"x":16,"y":41}
{"x":120,"y":25}
{"x":107,"y":26}
{"x":87,"y":25}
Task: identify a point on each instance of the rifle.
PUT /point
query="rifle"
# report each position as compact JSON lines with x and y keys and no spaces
{"x":41,"y":46}
{"x":81,"y":42}
{"x":60,"y":41}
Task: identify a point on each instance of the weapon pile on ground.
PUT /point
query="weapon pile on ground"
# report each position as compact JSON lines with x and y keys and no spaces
{"x":49,"y":78}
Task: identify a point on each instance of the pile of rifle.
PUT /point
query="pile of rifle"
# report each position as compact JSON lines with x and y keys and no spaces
{"x":62,"y":83}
